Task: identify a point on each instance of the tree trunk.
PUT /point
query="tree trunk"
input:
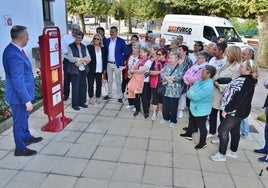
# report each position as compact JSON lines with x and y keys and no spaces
{"x":262,"y":54}
{"x":82,"y":23}
{"x":129,"y":24}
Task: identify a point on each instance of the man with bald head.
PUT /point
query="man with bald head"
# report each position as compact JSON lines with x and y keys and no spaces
{"x":247,"y":53}
{"x":65,"y":41}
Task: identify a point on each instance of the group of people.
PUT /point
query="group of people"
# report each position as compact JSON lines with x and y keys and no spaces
{"x":216,"y":80}
{"x":213,"y":80}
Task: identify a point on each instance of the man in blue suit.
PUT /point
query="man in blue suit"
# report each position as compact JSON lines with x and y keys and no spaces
{"x":20,"y":89}
{"x":117,"y":54}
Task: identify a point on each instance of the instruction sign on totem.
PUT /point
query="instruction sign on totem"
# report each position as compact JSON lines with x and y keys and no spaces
{"x":51,"y":72}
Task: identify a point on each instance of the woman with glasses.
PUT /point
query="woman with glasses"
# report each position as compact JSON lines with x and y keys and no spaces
{"x":78,"y":68}
{"x":97,"y":66}
{"x":155,"y":80}
{"x":236,"y":105}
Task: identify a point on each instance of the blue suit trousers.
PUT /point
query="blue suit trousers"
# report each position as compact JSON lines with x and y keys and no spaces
{"x":20,"y":125}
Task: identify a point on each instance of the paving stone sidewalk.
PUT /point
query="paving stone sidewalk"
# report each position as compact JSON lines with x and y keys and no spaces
{"x":106,"y":147}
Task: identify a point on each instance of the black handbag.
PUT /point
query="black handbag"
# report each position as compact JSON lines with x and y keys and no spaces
{"x":224,"y":80}
{"x":161,"y":89}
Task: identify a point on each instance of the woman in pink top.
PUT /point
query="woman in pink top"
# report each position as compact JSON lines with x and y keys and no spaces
{"x":155,"y":80}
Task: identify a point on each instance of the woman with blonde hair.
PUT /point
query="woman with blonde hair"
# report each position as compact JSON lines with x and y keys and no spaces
{"x":236,"y":105}
{"x":226,"y":73}
{"x":97,"y":66}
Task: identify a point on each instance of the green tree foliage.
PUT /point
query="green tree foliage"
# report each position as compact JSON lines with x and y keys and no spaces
{"x":246,"y":27}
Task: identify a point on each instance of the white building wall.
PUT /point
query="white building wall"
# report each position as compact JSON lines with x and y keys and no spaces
{"x":30,"y":14}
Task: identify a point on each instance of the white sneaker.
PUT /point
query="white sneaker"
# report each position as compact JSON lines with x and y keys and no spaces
{"x":159,"y":113}
{"x":162,"y":121}
{"x":134,"y":109}
{"x":171,"y":125}
{"x":153,"y":117}
{"x":210,"y":136}
{"x":230,"y":153}
{"x":129,"y":106}
{"x":218,"y":157}
{"x":215,"y":140}
{"x":180,"y":114}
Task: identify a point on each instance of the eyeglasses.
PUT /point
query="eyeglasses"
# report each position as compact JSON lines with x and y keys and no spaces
{"x":158,"y":54}
{"x":96,"y":38}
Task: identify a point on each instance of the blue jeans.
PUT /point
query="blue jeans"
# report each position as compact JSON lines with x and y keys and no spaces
{"x":244,"y":127}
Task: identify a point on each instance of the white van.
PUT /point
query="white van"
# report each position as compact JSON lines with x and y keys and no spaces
{"x":199,"y":28}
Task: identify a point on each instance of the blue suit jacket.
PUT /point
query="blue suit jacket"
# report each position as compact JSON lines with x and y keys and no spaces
{"x":121,"y":51}
{"x":20,"y":87}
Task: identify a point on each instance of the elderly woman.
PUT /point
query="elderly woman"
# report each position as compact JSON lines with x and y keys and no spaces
{"x":200,"y":95}
{"x":142,"y":69}
{"x":236,"y":105}
{"x":172,"y":78}
{"x":97,"y":66}
{"x":78,"y":68}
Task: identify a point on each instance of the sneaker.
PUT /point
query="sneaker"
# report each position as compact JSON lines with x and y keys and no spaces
{"x":230,"y":153}
{"x":171,"y":124}
{"x":129,"y":106}
{"x":159,"y":113}
{"x":200,"y":146}
{"x":215,"y":140}
{"x":218,"y":157}
{"x":162,"y":121}
{"x":188,"y":137}
{"x":180,"y":114}
{"x":134,"y":109}
{"x":120,"y":101}
{"x":210,"y":136}
{"x":263,"y":159}
{"x":136,"y":114}
{"x":261,"y":151}
{"x":153,"y":117}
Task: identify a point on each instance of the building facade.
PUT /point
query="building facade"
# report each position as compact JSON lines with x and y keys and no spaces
{"x":34,"y":14}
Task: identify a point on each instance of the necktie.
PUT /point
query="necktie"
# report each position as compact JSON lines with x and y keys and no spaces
{"x":23,"y":52}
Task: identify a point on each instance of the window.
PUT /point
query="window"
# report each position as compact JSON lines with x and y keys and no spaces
{"x":229,"y":34}
{"x":209,"y":34}
{"x":47,"y":10}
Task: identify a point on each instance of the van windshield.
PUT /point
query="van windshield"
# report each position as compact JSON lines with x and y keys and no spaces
{"x":229,"y":34}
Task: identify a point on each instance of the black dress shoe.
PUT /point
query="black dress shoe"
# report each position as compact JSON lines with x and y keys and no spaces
{"x":76,"y":107}
{"x":83,"y":105}
{"x":106,"y":97}
{"x":120,"y":100}
{"x":33,"y":140}
{"x":146,"y":116}
{"x":261,"y":151}
{"x":65,"y":98}
{"x":25,"y":152}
